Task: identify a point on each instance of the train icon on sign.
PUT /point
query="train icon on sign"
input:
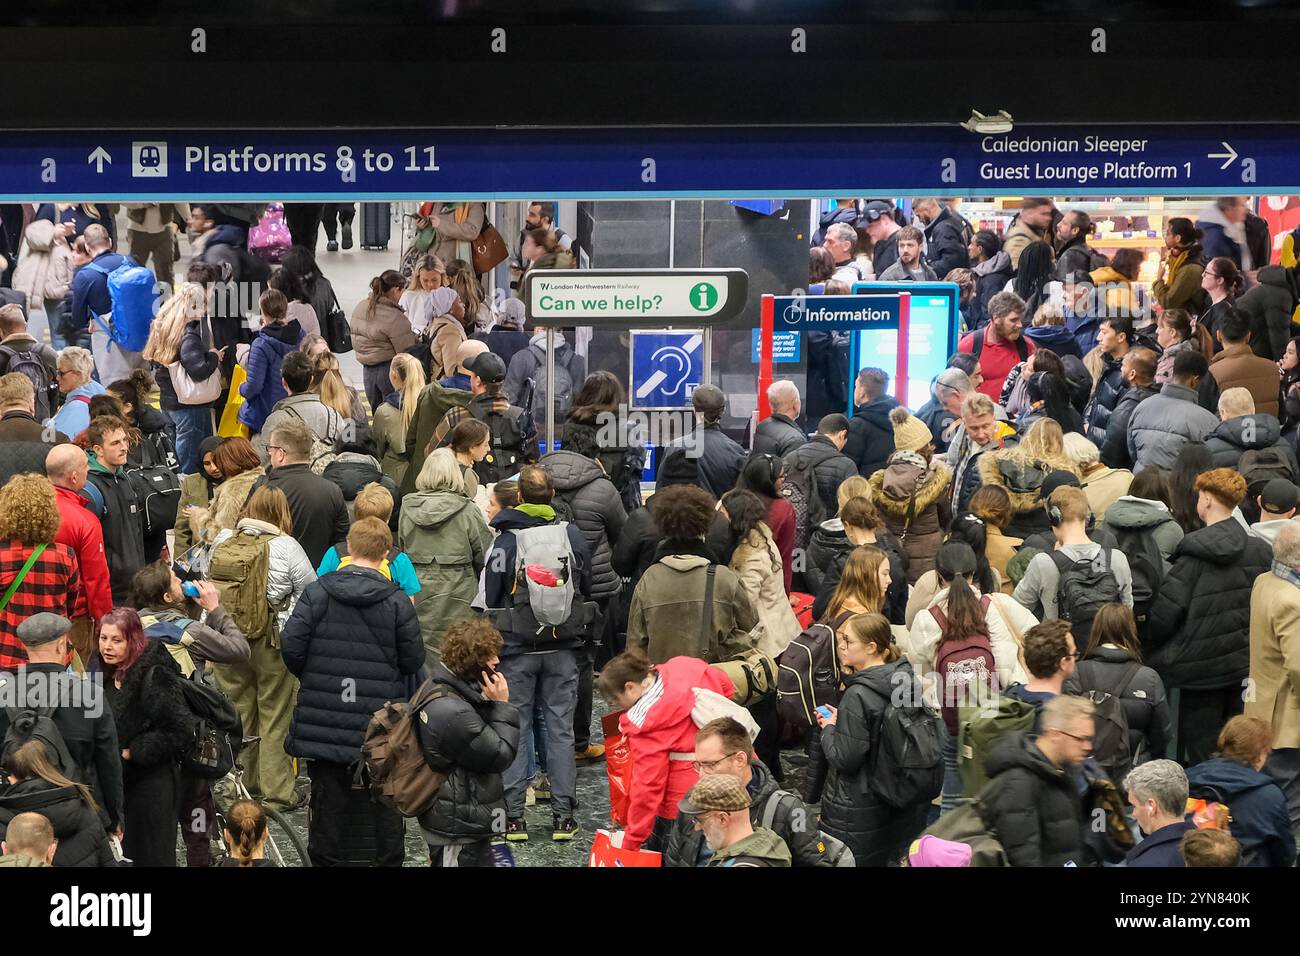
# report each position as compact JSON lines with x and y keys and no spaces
{"x":148,"y":160}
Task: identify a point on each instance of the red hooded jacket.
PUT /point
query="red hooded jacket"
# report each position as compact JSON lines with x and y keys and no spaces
{"x":81,"y":531}
{"x":658,"y":726}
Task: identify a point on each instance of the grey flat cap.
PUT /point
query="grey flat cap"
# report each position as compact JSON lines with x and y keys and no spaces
{"x":42,"y":628}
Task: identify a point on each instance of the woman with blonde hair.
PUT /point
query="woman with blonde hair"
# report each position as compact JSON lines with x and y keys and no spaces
{"x":444,"y":534}
{"x":429,"y":274}
{"x":862,"y":586}
{"x":177,"y":356}
{"x":327,"y":382}
{"x":1025,"y":469}
{"x":393,"y":418}
{"x":43,"y":575}
{"x":262,"y":689}
{"x":461,"y":278}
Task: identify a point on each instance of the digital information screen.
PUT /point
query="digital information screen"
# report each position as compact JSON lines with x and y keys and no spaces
{"x":933,"y":323}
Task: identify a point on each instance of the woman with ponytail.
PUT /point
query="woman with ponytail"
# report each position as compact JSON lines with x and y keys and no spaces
{"x":327,"y":382}
{"x":1223,"y":283}
{"x":879,"y":676}
{"x":393,"y":418}
{"x":381,"y":330}
{"x":245,"y":835}
{"x":1049,"y":397}
{"x":1176,"y":333}
{"x":964,"y":613}
{"x":478,"y":314}
{"x":36,"y":785}
{"x":1178,"y":280}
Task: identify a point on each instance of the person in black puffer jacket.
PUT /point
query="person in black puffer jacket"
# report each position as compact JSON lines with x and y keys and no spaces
{"x":834,"y":540}
{"x":590,"y":427}
{"x":635,"y":549}
{"x":142,"y":686}
{"x":824,"y":456}
{"x":1138,"y":370}
{"x":352,"y":627}
{"x":1031,"y":802}
{"x":69,"y":807}
{"x":1113,"y":651}
{"x":871,"y":433}
{"x":470,"y":733}
{"x":877,"y":833}
{"x":590,"y":497}
{"x":356,"y":466}
{"x":1113,"y":341}
{"x":1198,"y":637}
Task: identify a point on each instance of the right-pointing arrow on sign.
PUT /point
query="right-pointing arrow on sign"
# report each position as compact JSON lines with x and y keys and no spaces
{"x":1228,"y":158}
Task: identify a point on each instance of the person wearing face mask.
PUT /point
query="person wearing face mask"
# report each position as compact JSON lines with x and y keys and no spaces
{"x":380,"y":329}
{"x":720,"y":805}
{"x":1031,"y":802}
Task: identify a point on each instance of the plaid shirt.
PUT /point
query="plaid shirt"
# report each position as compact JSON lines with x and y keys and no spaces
{"x":51,"y":585}
{"x":495,"y":403}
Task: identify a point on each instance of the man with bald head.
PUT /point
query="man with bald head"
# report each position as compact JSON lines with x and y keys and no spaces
{"x":67,"y":468}
{"x":780,"y":434}
{"x":28,"y":841}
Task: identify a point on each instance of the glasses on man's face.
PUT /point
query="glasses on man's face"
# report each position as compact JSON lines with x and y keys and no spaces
{"x":65,"y":371}
{"x":1084,"y":739}
{"x":271,"y":448}
{"x":703,"y":765}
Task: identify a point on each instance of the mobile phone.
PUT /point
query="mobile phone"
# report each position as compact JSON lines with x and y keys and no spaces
{"x":825,"y":711}
{"x":190,"y":590}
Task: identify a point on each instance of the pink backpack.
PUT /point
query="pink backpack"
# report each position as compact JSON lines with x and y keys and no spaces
{"x":965,"y":671}
{"x":269,"y":240}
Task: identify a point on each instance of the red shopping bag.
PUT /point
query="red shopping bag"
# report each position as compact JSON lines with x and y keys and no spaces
{"x":803,"y":608}
{"x":605,"y":853}
{"x":618,"y":767}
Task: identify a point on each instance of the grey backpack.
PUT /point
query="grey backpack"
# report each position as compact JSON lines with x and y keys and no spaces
{"x":546,"y":546}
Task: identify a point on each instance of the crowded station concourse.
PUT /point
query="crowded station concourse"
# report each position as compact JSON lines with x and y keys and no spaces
{"x":950,"y":619}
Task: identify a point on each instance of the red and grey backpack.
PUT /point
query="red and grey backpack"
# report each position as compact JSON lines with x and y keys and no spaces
{"x":965,"y":670}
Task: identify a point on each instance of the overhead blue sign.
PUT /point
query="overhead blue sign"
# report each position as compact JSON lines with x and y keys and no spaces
{"x":785,"y":346}
{"x":666,"y":367}
{"x":816,"y":312}
{"x":732,"y":163}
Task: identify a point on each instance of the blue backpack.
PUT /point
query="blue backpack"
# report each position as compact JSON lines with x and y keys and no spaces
{"x":132,"y":293}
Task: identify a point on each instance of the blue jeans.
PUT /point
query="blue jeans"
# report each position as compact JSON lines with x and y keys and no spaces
{"x":192,"y":423}
{"x":951,"y":778}
{"x":550,"y":679}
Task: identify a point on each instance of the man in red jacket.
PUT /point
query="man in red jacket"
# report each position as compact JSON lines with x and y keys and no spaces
{"x":67,"y":468}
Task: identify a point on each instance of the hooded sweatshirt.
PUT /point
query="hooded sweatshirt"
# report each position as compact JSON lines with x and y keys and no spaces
{"x":1143,"y":516}
{"x":1260,"y":822}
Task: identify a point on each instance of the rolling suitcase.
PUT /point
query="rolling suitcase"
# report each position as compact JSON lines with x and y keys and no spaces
{"x":376,"y":225}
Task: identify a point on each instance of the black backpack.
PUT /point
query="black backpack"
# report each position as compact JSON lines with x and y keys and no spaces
{"x":506,"y":438}
{"x":565,"y":386}
{"x":1148,"y":568}
{"x":156,"y":482}
{"x":907,"y":755}
{"x":800,"y":489}
{"x":808,"y":676}
{"x":1112,"y":745}
{"x":28,"y":363}
{"x":1261,"y":465}
{"x":37,"y":723}
{"x":1085,"y":585}
{"x":218,"y":731}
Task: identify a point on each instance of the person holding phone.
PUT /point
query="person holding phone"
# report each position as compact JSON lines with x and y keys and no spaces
{"x":471,"y":733}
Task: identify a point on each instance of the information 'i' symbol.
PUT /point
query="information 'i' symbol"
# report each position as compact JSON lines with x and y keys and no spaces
{"x":704,"y":296}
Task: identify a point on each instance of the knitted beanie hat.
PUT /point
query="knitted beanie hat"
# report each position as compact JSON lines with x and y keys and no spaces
{"x":910,"y":433}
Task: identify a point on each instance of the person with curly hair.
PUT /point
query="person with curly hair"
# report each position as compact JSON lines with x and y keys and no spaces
{"x":36,"y":573}
{"x":470,"y":729}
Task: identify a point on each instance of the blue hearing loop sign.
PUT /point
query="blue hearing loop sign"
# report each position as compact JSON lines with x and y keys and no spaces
{"x":666,"y":368}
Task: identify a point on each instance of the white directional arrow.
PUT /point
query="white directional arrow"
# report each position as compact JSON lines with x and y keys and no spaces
{"x":99,"y":157}
{"x":1228,"y":158}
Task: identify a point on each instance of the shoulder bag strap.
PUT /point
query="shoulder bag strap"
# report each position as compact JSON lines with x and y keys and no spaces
{"x":31,"y":561}
{"x":773,"y":804}
{"x":1015,"y":631}
{"x":1130,"y":672}
{"x":707,"y":635}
